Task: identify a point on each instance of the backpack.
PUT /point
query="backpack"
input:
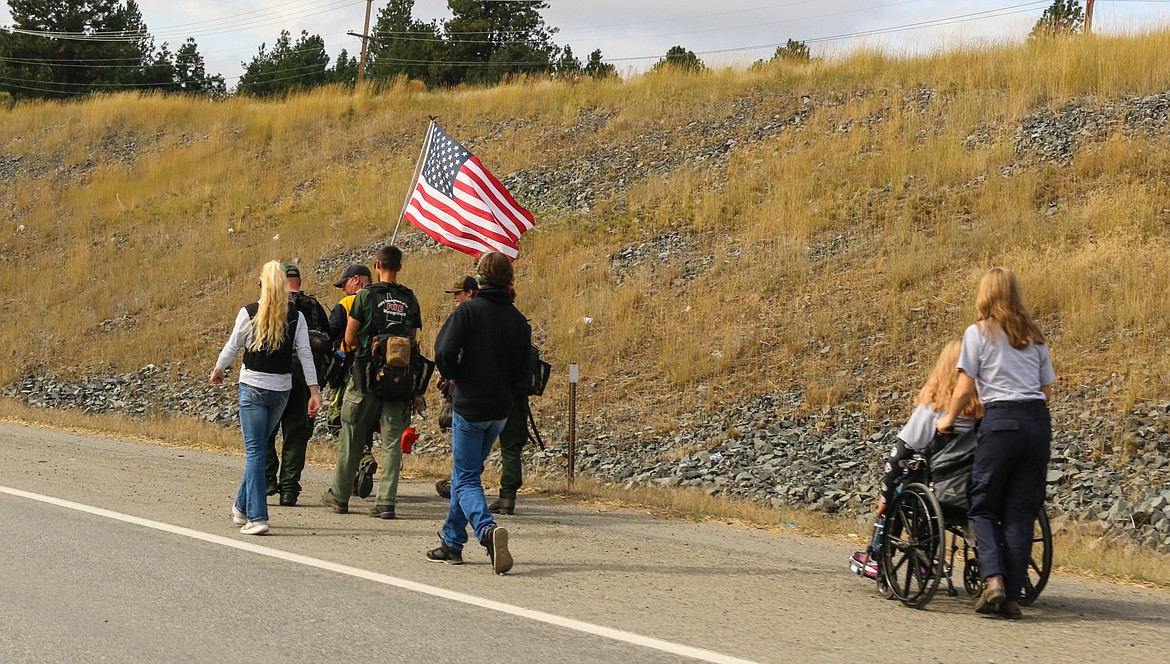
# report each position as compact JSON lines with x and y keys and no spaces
{"x":539,"y":371}
{"x":951,"y":460}
{"x":318,"y":323}
{"x":392,"y":370}
{"x":395,"y":364}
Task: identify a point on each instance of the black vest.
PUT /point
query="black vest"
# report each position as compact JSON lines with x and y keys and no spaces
{"x":279,"y":361}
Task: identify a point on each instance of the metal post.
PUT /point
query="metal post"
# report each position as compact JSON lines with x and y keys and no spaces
{"x":572,"y":463}
{"x":365,"y":44}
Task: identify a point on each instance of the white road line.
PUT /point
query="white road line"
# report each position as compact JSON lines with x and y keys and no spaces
{"x":539,"y":616}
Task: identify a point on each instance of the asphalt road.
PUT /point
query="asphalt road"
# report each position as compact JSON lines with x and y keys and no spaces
{"x":114,"y":550}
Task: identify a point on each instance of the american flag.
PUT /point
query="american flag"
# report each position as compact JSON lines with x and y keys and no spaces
{"x":460,"y":204}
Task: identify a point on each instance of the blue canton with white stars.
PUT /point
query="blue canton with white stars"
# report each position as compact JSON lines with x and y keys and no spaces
{"x":444,"y":159}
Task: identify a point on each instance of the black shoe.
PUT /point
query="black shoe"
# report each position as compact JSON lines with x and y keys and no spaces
{"x":382,"y":511}
{"x":365,"y":479}
{"x":273,"y":489}
{"x":503,"y":505}
{"x":445,"y":554}
{"x":288,"y":500}
{"x":334,"y":504}
{"x":443,"y":488}
{"x":496,"y":541}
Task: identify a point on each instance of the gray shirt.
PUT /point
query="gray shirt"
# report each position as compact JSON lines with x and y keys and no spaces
{"x":922,"y":426}
{"x":1001,"y":372}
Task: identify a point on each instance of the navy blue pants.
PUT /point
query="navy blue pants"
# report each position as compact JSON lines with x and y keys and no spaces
{"x":1007,"y":487}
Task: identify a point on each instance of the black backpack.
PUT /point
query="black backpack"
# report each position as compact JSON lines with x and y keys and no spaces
{"x":539,"y":371}
{"x":399,"y":381}
{"x":318,"y":323}
{"x":951,"y":459}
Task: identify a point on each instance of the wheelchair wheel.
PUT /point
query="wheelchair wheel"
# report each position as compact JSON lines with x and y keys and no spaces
{"x":972,"y":582}
{"x":913,"y":551}
{"x":1040,"y":564}
{"x":883,"y":588}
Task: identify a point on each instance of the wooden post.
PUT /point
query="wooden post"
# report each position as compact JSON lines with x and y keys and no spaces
{"x":1088,"y":17}
{"x":365,"y":45}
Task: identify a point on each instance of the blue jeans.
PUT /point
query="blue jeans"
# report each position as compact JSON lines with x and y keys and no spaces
{"x":471,"y":442}
{"x":260,"y":412}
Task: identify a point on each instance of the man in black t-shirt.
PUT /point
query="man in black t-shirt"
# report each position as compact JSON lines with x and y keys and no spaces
{"x":385,"y":307}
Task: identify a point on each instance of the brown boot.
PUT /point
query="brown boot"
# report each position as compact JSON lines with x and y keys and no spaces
{"x":503,"y":505}
{"x":993,"y":595}
{"x":1010,"y":609}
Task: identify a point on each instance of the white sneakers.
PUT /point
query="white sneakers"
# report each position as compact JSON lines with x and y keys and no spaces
{"x":255,"y":528}
{"x":249,"y":527}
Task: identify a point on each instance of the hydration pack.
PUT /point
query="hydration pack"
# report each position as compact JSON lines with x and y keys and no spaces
{"x":539,"y":372}
{"x":317,"y":322}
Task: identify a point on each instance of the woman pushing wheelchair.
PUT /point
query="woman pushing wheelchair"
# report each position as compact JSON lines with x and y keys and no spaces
{"x":1004,"y":362}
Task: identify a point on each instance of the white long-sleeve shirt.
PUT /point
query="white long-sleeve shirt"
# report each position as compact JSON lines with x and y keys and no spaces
{"x":241,"y":336}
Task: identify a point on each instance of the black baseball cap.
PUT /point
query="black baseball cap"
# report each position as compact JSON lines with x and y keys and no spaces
{"x":355,"y":270}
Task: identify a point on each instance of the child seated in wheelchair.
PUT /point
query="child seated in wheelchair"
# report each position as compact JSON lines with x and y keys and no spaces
{"x":914,"y":438}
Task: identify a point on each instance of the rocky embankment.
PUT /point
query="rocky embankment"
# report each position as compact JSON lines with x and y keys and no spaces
{"x":828,"y":460}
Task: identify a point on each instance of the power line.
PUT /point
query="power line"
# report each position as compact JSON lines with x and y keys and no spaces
{"x":239,"y":26}
{"x":309,"y":70}
{"x":136,"y":60}
{"x":937,"y":22}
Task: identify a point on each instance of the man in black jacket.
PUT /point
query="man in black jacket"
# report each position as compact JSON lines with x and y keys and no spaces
{"x":483,"y":348}
{"x":283,"y":473}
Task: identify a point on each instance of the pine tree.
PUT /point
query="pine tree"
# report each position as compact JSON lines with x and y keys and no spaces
{"x":404,"y":46}
{"x":108,"y":48}
{"x":191,"y":74}
{"x":486,"y":41}
{"x":793,"y":51}
{"x":94,"y":46}
{"x":1063,"y":18}
{"x":286,"y":67}
{"x":680,"y":59}
{"x":598,"y":69}
{"x":567,"y":65}
{"x":344,"y":69}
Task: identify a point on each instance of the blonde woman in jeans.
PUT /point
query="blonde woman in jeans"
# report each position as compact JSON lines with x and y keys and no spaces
{"x":1004,"y":359}
{"x":273,"y":335}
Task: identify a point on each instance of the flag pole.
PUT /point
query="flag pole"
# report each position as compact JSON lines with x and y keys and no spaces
{"x":414,"y":178}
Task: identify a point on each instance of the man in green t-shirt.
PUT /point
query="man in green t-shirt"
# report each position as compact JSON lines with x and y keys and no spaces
{"x":385,"y":307}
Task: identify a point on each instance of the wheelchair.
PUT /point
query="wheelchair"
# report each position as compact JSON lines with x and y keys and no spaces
{"x":924,"y":539}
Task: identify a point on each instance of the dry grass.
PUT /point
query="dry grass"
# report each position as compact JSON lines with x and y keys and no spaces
{"x":325,"y":171}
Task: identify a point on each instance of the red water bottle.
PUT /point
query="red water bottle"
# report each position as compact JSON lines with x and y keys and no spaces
{"x":408,"y":437}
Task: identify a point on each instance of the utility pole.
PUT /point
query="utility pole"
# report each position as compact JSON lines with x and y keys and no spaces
{"x":1088,"y":17}
{"x":366,"y":41}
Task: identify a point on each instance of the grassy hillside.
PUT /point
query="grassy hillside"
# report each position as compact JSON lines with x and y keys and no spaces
{"x":821,"y":225}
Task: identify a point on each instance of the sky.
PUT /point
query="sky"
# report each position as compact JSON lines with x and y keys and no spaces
{"x":634,"y":34}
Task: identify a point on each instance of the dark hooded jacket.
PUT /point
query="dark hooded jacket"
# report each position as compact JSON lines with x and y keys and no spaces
{"x":484,"y":347}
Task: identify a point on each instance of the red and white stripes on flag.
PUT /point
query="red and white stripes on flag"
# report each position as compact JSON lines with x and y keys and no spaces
{"x":459,"y":203}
